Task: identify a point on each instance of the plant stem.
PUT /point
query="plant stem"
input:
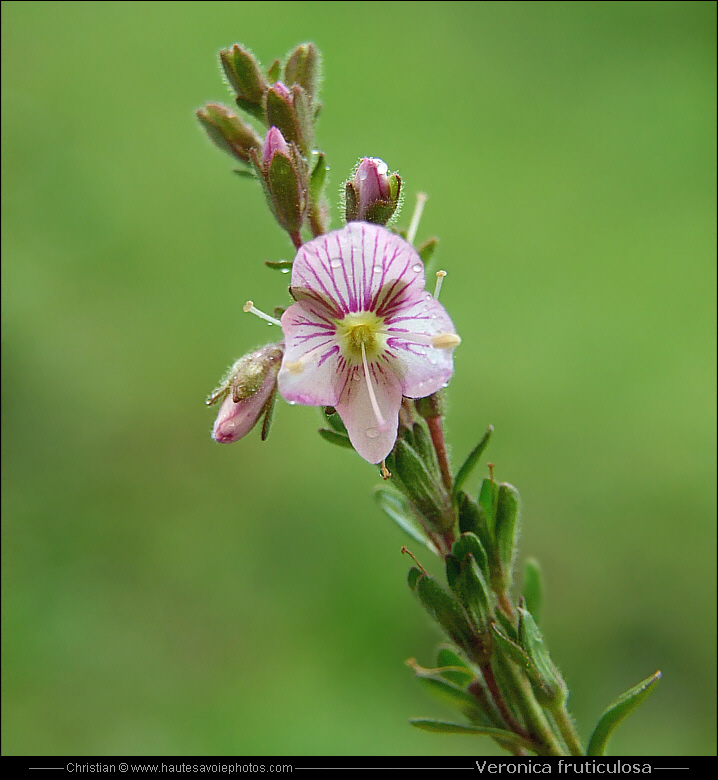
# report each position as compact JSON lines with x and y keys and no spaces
{"x":437,"y":437}
{"x":568,"y":731}
{"x":548,"y":744}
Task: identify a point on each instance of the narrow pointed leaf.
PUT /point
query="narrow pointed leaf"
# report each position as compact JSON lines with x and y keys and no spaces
{"x":451,"y":694}
{"x":426,"y":250}
{"x":452,"y":667}
{"x":617,"y":712}
{"x":335,"y":438}
{"x":471,"y":461}
{"x":280,"y":265}
{"x":443,"y":727}
{"x":533,"y":588}
{"x":318,"y":177}
{"x":397,"y":507}
{"x":516,"y":653}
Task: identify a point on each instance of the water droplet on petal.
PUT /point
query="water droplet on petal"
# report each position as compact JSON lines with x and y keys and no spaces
{"x":378,"y":269}
{"x":371,"y":433}
{"x":335,"y":263}
{"x":292,"y":403}
{"x":417,"y":267}
{"x":428,"y":296}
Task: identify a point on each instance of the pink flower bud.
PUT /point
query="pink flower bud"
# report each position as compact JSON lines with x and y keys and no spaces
{"x":372,"y":194}
{"x":248,"y":389}
{"x":273,"y":142}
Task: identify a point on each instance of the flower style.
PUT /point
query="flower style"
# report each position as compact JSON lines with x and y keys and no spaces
{"x":363,"y":333}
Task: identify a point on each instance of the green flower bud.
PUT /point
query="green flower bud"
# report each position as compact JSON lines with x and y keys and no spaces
{"x":230,"y":133}
{"x":245,"y":78}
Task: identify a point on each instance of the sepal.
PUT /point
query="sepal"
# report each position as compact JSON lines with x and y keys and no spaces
{"x":550,"y":688}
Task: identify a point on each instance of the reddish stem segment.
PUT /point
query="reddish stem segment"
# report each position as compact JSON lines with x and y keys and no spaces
{"x":437,"y":438}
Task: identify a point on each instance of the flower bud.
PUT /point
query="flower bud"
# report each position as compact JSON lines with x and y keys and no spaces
{"x":281,"y":113}
{"x":273,"y":143}
{"x":228,"y":131}
{"x":372,"y":194}
{"x":284,"y":177}
{"x":248,"y":391}
{"x":303,"y":68}
{"x":245,"y":78}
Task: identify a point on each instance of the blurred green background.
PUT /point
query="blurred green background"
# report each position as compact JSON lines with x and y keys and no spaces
{"x":164,"y":594}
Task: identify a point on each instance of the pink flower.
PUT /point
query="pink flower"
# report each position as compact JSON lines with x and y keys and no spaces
{"x":248,"y":391}
{"x":363,"y":333}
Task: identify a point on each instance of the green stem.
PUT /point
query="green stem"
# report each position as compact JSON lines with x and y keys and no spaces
{"x":568,"y":731}
{"x":538,"y":726}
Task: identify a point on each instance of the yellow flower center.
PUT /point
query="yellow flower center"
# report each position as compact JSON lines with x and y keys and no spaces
{"x":362,"y":329}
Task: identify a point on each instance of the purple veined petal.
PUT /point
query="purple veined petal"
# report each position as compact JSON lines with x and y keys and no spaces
{"x":362,"y":267}
{"x":313,"y":371}
{"x":422,"y":367}
{"x":371,"y":439}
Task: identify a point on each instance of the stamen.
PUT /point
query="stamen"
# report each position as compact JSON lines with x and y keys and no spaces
{"x":249,"y":307}
{"x":445,"y":341}
{"x":370,"y":388}
{"x":439,"y":280}
{"x":421,"y":198}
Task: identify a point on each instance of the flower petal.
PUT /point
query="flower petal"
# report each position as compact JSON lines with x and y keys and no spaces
{"x":422,"y":368}
{"x":362,"y":267}
{"x":372,"y":440}
{"x":313,"y":371}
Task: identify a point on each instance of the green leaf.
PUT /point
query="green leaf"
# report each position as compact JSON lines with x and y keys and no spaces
{"x":335,"y":421}
{"x":452,"y":668}
{"x":335,"y":438}
{"x":471,"y":461}
{"x":423,"y":485}
{"x":245,"y":174}
{"x":397,"y":507}
{"x":508,"y":504}
{"x":426,"y":250}
{"x":506,"y":738}
{"x":533,"y":588}
{"x":284,"y":187}
{"x":275,"y":71}
{"x":317,"y":179}
{"x":280,"y":265}
{"x":470,"y":544}
{"x":550,"y":689}
{"x":487,"y":501}
{"x":451,"y":694}
{"x":617,"y":712}
{"x":516,"y":653}
{"x":280,"y":113}
{"x":243,"y":74}
{"x":447,"y":612}
{"x":303,"y":68}
{"x":412,"y":578}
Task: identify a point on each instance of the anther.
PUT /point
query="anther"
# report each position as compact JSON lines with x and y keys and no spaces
{"x":445,"y":341}
{"x":250,"y":308}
